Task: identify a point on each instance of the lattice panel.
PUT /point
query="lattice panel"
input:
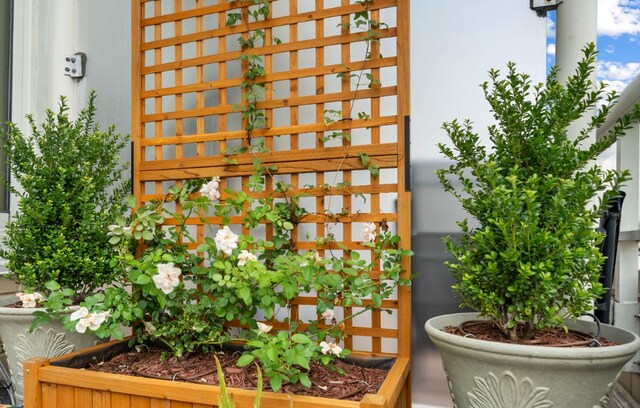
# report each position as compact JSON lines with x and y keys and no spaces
{"x":186,"y":90}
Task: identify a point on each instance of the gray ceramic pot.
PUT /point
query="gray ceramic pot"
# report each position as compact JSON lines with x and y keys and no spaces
{"x":484,"y":374}
{"x":49,"y":340}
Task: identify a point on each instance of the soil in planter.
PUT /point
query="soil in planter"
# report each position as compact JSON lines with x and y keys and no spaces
{"x":200,"y":368}
{"x":557,"y":337}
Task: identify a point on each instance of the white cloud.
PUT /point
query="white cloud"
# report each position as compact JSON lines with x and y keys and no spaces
{"x":551,"y":49}
{"x":617,"y":17}
{"x":616,"y":71}
{"x":610,"y":49}
{"x":551,"y":28}
{"x":617,"y":86}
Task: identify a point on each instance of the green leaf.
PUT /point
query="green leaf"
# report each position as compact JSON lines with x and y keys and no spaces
{"x":52,"y":286}
{"x":364,"y":159}
{"x":304,"y":380}
{"x":276,"y":382}
{"x":245,"y":360}
{"x":143,"y":279}
{"x":245,"y":294}
{"x":300,"y":338}
{"x":255,"y":344}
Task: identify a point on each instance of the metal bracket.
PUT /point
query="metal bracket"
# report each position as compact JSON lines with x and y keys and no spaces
{"x":542,"y":6}
{"x":75,"y":65}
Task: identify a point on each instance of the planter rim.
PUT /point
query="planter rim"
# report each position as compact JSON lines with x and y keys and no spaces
{"x":16,"y":310}
{"x":21,"y":311}
{"x":433,"y":326}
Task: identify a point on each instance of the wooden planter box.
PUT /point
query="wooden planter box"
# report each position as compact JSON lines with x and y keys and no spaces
{"x":53,"y":383}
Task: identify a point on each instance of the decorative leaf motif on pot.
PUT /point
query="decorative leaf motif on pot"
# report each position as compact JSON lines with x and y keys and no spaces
{"x":604,"y":401}
{"x":40,"y":343}
{"x":507,"y":392}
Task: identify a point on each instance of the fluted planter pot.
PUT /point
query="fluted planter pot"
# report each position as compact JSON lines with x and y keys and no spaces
{"x":484,"y":374}
{"x":48,"y":340}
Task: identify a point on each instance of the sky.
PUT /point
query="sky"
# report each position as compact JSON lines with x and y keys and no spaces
{"x":618,"y":41}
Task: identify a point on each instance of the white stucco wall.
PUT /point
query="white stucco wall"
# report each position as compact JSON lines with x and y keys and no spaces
{"x":45,"y":32}
{"x":454,"y":43}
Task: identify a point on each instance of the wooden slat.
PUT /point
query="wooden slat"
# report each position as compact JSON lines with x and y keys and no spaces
{"x":396,"y":379}
{"x":271,"y":77}
{"x":260,"y":25}
{"x":32,"y":384}
{"x":306,"y":100}
{"x":404,"y":195}
{"x":225,"y":170}
{"x":140,"y":402}
{"x":275,"y":131}
{"x":123,"y":387}
{"x":136,"y":84}
{"x":83,"y":397}
{"x":314,"y":15}
{"x":49,"y":396}
{"x":101,"y":399}
{"x":273,"y":49}
{"x":158,"y":403}
{"x":373,"y":151}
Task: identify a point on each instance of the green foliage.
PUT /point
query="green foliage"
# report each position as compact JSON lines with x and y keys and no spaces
{"x":536,"y":195}
{"x":222,"y":285}
{"x":70,"y":191}
{"x":225,"y":400}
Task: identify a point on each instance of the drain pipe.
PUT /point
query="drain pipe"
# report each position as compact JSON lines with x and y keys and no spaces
{"x":576,"y":25}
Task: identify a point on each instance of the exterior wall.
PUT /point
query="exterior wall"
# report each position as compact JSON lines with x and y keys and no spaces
{"x":47,"y":31}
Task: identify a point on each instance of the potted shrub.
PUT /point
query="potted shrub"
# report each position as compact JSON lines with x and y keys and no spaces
{"x":67,"y":177}
{"x":532,"y":261}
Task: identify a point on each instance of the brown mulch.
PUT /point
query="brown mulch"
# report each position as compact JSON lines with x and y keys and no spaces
{"x":556,"y":337}
{"x":200,"y":368}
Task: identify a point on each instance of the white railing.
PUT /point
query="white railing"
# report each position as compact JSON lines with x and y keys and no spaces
{"x":626,"y":308}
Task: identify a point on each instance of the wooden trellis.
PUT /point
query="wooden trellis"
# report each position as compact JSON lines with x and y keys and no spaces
{"x":186,"y":87}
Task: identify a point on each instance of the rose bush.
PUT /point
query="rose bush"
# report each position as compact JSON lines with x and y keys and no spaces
{"x":234,"y":286}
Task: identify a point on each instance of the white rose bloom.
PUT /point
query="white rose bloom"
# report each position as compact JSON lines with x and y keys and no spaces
{"x":226,"y":240}
{"x":264,"y":328}
{"x":211,"y":189}
{"x":167,"y":278}
{"x":30,"y":300}
{"x":327,"y":314}
{"x":331,"y":348}
{"x":369,"y":232}
{"x":88,"y":320}
{"x":246,"y":256}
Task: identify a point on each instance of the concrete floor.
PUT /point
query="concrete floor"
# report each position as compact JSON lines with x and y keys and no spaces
{"x":429,"y":382}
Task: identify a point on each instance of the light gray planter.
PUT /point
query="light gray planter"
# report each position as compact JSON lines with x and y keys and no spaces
{"x":484,"y":374}
{"x":46,"y":341}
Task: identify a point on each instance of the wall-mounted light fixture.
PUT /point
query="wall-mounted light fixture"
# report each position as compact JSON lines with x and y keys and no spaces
{"x":542,"y":6}
{"x":75,"y":65}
